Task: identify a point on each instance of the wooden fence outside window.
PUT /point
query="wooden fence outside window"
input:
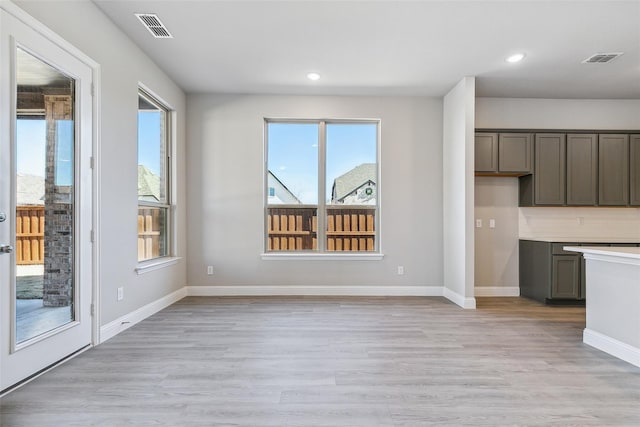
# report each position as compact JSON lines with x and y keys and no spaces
{"x":29,"y":235}
{"x":295,"y":228}
{"x":151,"y":243}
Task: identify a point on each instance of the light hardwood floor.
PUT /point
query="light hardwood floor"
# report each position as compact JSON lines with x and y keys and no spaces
{"x":338,"y":361}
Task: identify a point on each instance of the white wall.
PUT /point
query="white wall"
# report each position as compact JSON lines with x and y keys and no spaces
{"x":458,"y":208}
{"x":225,"y":195}
{"x":123,"y":66}
{"x":496,"y":254}
{"x":561,"y":224}
{"x":521,"y":113}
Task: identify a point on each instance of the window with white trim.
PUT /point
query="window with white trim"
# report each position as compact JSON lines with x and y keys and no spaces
{"x":322,"y":186}
{"x":154,"y":214}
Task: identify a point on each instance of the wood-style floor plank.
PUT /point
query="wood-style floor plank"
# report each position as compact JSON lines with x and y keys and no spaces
{"x":338,"y":361}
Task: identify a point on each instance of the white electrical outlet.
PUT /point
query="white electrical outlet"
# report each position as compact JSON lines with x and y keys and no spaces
{"x":210,"y":270}
{"x":400,"y":270}
{"x":478,"y":223}
{"x":492,"y":223}
{"x":120,"y":293}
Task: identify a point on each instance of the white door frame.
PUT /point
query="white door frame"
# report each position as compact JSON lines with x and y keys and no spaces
{"x":35,"y":25}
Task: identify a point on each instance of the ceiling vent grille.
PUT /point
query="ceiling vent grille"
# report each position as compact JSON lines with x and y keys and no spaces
{"x":602,"y":58}
{"x":154,"y":25}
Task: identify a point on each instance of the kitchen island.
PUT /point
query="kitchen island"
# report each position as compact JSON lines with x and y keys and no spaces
{"x":613,"y":305}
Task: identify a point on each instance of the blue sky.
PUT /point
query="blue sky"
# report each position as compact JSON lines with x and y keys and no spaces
{"x":292,"y":157}
{"x":31,"y":136}
{"x":293,"y":154}
{"x":149,"y":139}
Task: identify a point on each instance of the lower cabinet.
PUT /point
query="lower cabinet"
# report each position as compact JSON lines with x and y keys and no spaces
{"x":550,"y":274}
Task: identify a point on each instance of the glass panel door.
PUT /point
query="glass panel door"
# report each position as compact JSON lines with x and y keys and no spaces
{"x":44,"y":147}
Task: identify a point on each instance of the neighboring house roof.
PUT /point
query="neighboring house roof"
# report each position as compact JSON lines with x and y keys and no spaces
{"x":347,"y":183}
{"x":30,"y":190}
{"x":282,"y":193}
{"x":148,"y":185}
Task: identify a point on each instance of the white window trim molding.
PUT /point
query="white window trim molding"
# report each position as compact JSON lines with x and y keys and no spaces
{"x":279,"y":256}
{"x":156,"y":264}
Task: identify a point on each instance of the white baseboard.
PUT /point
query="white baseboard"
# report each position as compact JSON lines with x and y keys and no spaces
{"x":616,"y":348}
{"x":458,"y":299}
{"x":497,"y":291}
{"x":425,"y":291}
{"x":113,"y":328}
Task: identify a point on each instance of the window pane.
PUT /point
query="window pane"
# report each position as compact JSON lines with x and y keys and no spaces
{"x":152,"y":232}
{"x":152,"y":182}
{"x":153,"y":185}
{"x":292,"y":182}
{"x":352,"y":170}
{"x":352,"y":175}
{"x":293,"y":163}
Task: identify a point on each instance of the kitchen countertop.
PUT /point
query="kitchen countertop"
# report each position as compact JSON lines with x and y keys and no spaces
{"x":624,"y":252}
{"x":635,"y":240}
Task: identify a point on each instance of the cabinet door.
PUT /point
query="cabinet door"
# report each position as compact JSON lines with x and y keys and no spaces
{"x":486,"y":152}
{"x":534,"y":263}
{"x":634,"y":170}
{"x":565,"y":280}
{"x":582,"y":168}
{"x":550,"y":169}
{"x":613,"y":168}
{"x":514,"y":152}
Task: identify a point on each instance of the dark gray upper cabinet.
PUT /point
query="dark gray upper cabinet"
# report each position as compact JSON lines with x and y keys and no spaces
{"x":549,"y":177}
{"x":486,"y":149}
{"x":582,"y":169}
{"x":634,"y":170}
{"x":613,"y":169}
{"x":565,"y":168}
{"x":514,"y":153}
{"x":504,"y":153}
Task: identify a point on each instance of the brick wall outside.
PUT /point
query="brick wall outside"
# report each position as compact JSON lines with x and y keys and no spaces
{"x":58,"y":230}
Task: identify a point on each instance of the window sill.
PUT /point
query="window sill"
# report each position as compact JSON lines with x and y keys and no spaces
{"x":156,"y":264}
{"x":321,"y":257}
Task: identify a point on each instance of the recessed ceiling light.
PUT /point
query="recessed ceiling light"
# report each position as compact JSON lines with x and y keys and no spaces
{"x":516,"y":57}
{"x":313,"y":76}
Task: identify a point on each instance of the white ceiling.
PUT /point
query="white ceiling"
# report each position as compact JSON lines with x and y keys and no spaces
{"x":392,"y":47}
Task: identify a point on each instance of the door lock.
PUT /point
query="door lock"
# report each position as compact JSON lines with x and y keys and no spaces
{"x":3,"y":216}
{"x":6,"y":249}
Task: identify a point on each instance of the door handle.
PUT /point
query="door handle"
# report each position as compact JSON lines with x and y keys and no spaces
{"x":6,"y":249}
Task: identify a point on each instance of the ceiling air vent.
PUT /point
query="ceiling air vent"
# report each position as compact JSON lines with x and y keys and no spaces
{"x":602,"y":58}
{"x":153,"y":24}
